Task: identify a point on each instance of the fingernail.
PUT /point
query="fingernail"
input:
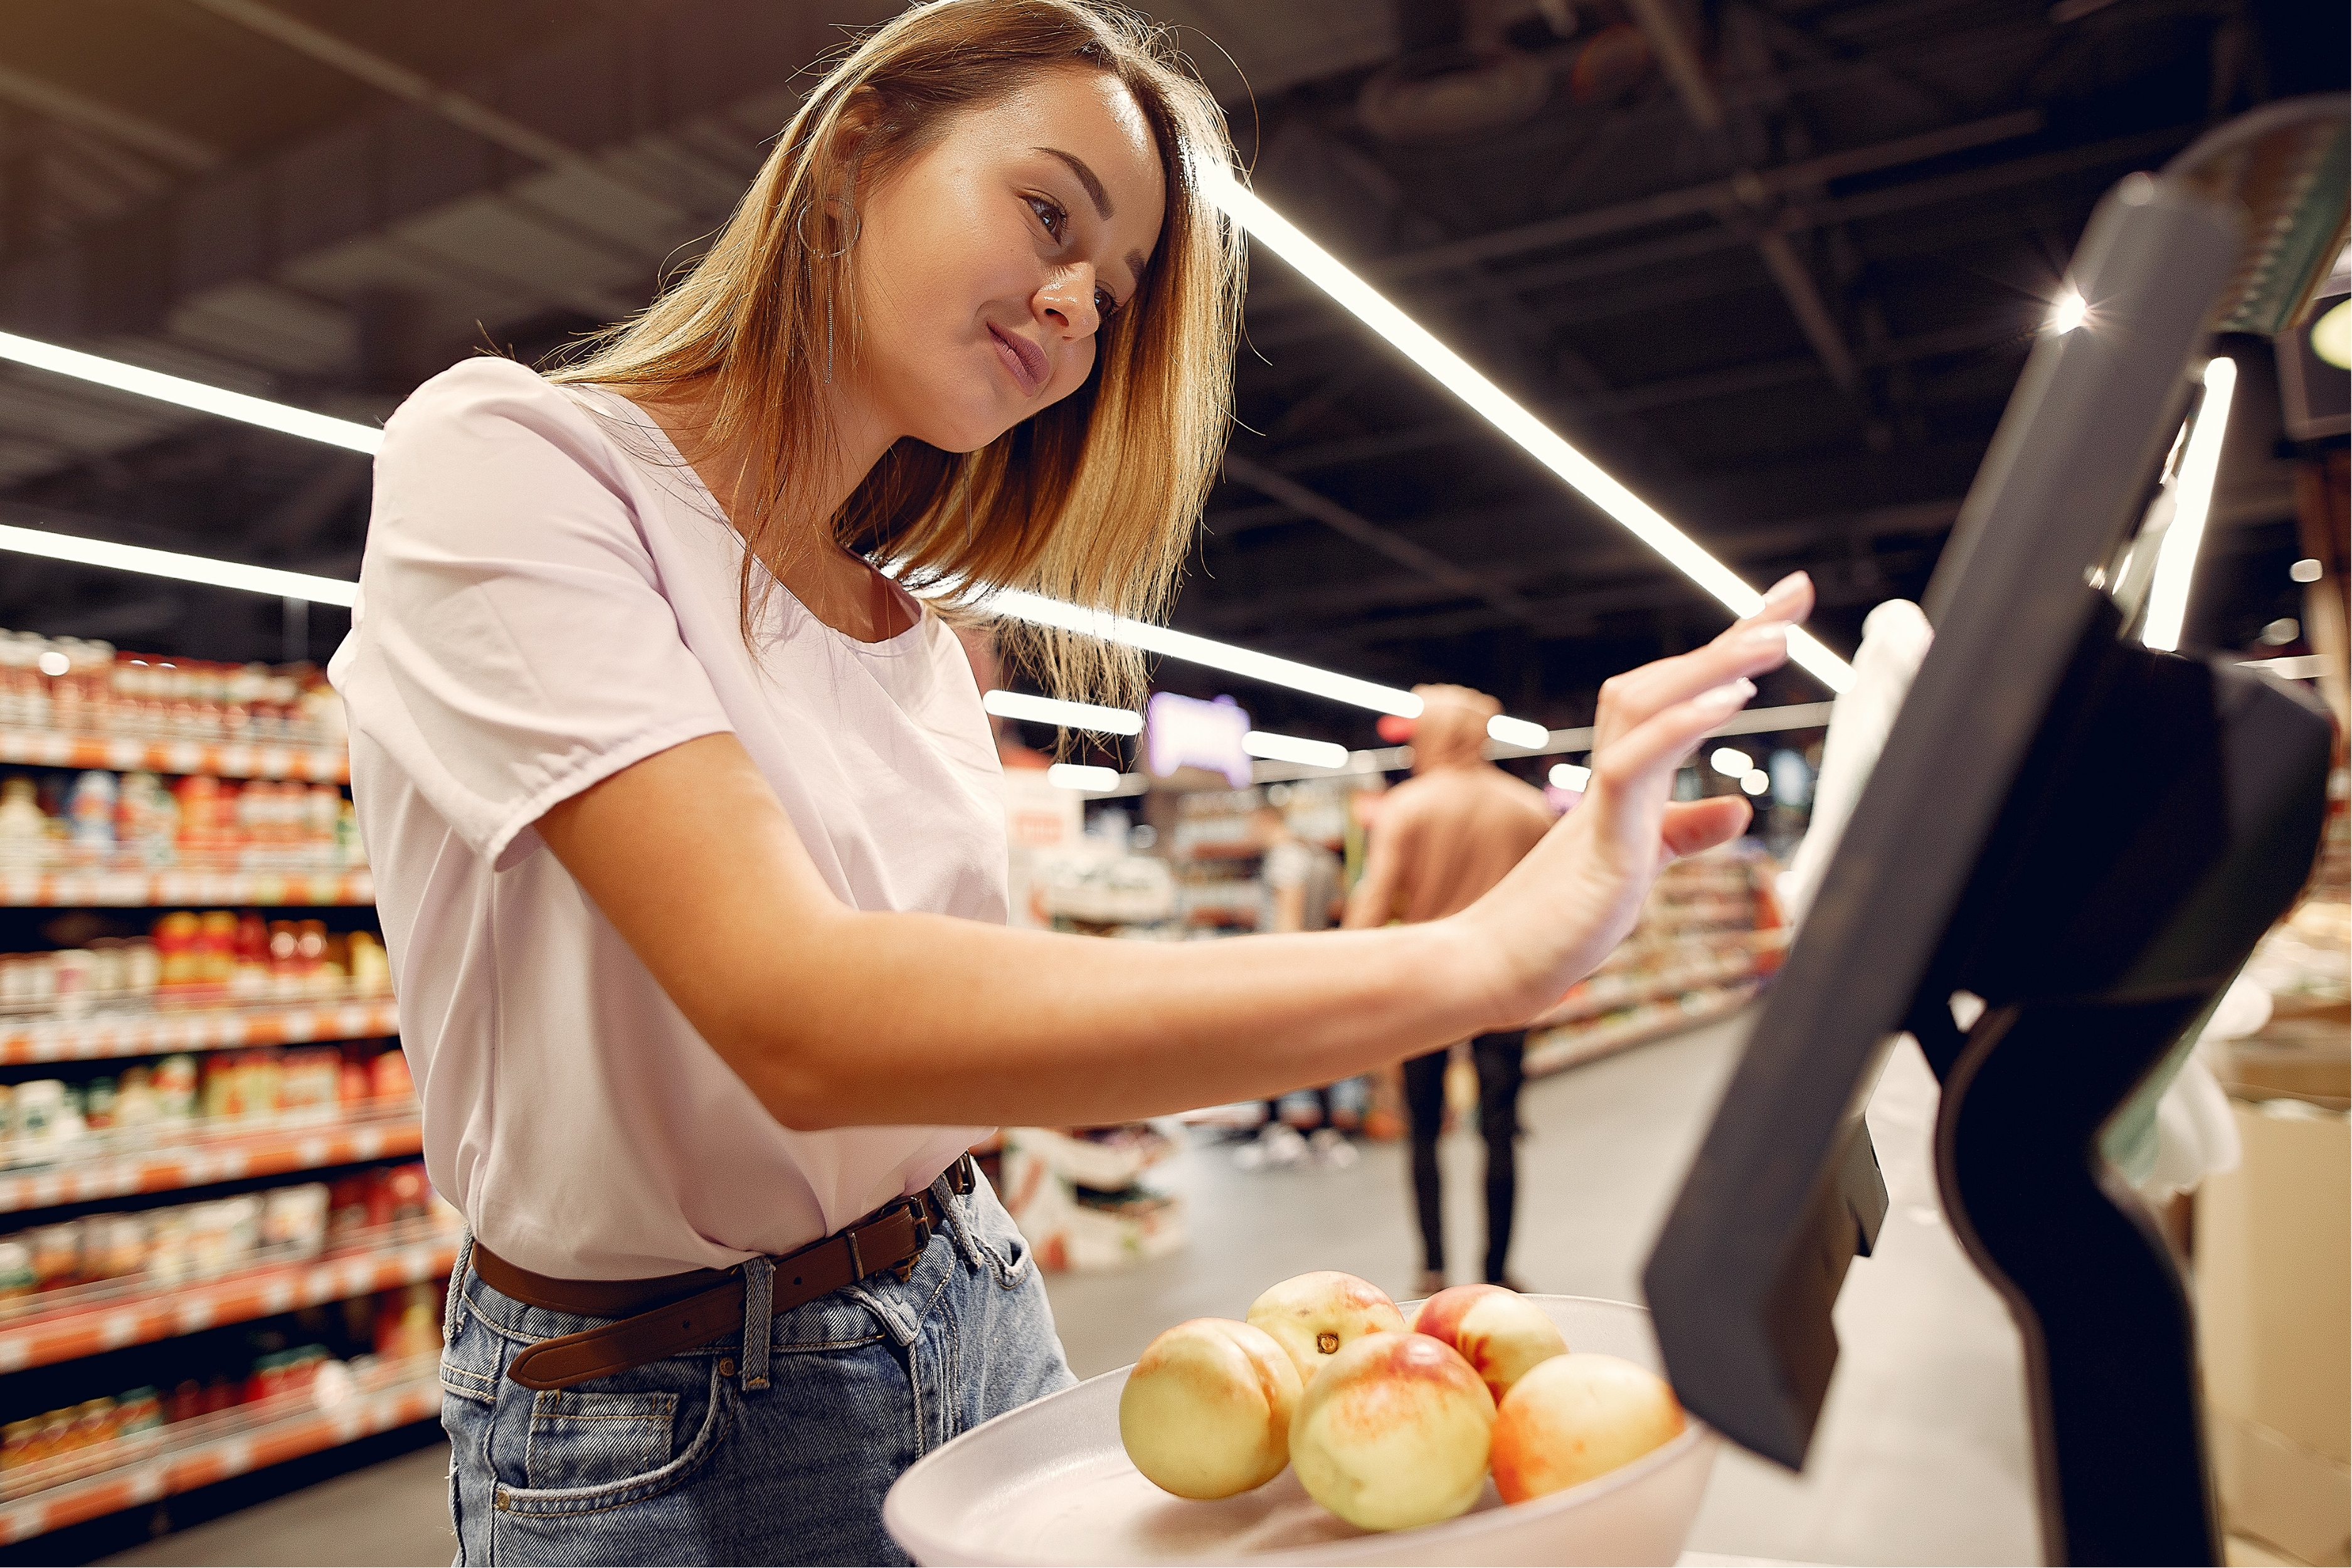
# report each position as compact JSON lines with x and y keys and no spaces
{"x":1768,"y":635}
{"x":1784,"y":585}
{"x":1731,"y":695}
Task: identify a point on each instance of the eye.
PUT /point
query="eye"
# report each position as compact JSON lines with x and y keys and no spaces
{"x":1105,"y":304}
{"x":1051,"y":214}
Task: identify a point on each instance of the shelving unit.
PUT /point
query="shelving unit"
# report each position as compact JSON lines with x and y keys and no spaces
{"x":120,"y":1168}
{"x":153,"y":1465}
{"x":159,"y":889}
{"x":1708,"y":937}
{"x":115,"y":1313}
{"x":53,"y":1329}
{"x":206,"y":1029}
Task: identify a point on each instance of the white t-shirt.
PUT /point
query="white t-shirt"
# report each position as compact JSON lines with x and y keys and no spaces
{"x":549,"y":595}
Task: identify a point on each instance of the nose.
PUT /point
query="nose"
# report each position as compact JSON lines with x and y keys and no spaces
{"x":1067,"y":301}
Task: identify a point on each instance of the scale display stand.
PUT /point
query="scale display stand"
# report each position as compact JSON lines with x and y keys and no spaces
{"x":1994,"y":852}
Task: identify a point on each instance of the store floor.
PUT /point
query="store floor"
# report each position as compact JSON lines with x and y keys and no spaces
{"x":1922,"y":1455}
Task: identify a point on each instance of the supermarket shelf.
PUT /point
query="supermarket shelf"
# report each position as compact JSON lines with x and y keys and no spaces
{"x":257,"y":759}
{"x":1574,"y":1044}
{"x":210,"y":1029}
{"x":153,"y":889}
{"x":174,"y":1459}
{"x":229,"y":1156}
{"x":406,"y":1253}
{"x":1662,"y":987}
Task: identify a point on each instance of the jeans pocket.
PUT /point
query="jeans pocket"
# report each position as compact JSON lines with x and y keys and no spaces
{"x":999,"y":1240}
{"x":580,"y":1439}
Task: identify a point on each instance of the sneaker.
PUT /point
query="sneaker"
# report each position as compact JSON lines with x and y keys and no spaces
{"x":1331,"y":1148}
{"x":1277,"y":1148}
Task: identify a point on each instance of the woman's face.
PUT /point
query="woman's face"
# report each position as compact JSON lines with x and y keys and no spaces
{"x":986,"y":263}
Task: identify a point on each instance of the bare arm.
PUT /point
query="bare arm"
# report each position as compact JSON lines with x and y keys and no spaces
{"x":834,"y":1017}
{"x":1374,"y":900}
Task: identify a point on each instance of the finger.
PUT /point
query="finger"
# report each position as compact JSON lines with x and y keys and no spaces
{"x":1790,"y":599}
{"x":1633,"y":699}
{"x":1665,"y":738}
{"x":1692,"y":826}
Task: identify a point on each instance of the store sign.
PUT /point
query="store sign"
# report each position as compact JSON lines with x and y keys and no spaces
{"x":1186,"y":732}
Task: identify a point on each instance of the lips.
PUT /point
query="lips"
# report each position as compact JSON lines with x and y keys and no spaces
{"x":1024,"y":359}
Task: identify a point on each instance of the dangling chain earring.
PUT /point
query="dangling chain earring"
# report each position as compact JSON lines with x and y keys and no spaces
{"x":856,"y":225}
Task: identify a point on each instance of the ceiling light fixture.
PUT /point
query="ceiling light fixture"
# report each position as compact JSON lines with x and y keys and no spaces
{"x":2176,"y":553}
{"x":1570,"y":777}
{"x":1731,"y":761}
{"x":1510,"y":732}
{"x":1085,"y":716}
{"x":1078,"y":776}
{"x":2306,"y":570}
{"x":1367,"y":305}
{"x":1294,"y":748}
{"x":348,"y":434}
{"x":270,"y":579}
{"x":2067,"y":312}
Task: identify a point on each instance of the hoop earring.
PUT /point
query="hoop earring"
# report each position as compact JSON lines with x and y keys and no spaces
{"x":857,"y":226}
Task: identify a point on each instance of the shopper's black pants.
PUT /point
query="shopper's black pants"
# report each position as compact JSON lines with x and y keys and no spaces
{"x":1498,"y":1058}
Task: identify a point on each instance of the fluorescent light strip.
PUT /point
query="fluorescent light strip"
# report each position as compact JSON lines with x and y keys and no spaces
{"x":1078,"y":776}
{"x":2192,"y":501}
{"x":1085,"y":716}
{"x":1371,"y":307}
{"x":345,"y":433}
{"x":1294,"y":748}
{"x":1570,"y":777}
{"x":1518,"y":732}
{"x":1038,"y":610}
{"x":202,"y":569}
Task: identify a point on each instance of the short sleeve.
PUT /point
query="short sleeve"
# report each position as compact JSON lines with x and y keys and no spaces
{"x":512,"y":644}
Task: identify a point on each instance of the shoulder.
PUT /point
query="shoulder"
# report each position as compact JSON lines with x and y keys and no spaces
{"x":489,"y":408}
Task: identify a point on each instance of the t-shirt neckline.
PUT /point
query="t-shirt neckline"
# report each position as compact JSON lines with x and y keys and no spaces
{"x":897,"y":643}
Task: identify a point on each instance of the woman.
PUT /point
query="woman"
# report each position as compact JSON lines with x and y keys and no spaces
{"x":684,"y":822}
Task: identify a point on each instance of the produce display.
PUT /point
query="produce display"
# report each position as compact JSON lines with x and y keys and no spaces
{"x":1388,"y":1427}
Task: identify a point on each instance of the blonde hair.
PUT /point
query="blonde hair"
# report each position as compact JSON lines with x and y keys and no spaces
{"x":1092,"y":500}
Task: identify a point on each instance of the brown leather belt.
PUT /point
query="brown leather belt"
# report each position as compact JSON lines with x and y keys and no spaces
{"x":662,"y":1317}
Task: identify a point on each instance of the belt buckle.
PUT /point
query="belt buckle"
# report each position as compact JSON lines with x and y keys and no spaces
{"x":920,"y":1216}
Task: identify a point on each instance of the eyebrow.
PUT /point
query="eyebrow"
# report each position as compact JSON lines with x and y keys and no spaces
{"x":1094,"y":192}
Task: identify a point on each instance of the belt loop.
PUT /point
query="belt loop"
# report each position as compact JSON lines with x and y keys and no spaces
{"x":456,"y":1287}
{"x":759,"y":1298}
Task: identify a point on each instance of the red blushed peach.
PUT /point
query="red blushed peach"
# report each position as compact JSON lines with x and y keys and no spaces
{"x":1206,"y":1413}
{"x":1392,"y":1433}
{"x":1576,"y":1416}
{"x":1499,"y":1332}
{"x":1314,"y":1316}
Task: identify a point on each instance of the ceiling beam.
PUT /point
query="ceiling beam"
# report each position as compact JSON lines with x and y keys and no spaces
{"x":136,"y":131}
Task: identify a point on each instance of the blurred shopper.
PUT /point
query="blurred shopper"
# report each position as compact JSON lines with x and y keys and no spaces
{"x":686,"y":824}
{"x":1442,"y":839}
{"x":1299,"y":886}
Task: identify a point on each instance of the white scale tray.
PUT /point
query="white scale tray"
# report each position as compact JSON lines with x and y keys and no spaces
{"x":1051,"y":1483}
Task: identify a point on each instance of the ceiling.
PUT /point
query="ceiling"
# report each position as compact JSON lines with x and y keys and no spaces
{"x":1773,"y":263}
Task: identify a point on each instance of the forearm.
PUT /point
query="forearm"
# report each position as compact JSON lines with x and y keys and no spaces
{"x":919,"y":1018}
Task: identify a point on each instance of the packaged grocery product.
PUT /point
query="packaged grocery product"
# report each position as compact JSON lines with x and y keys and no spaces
{"x":43,"y":1120}
{"x":17,"y":1279}
{"x":176,"y":1087}
{"x":389,"y":1077}
{"x":69,"y":983}
{"x":23,"y":829}
{"x":140,"y":1410}
{"x":114,"y":1246}
{"x":171,"y":1247}
{"x":89,"y":816}
{"x":294,"y":1220}
{"x":98,"y":1102}
{"x":56,"y":1254}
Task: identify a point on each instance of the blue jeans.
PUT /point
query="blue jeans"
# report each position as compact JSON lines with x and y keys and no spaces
{"x":679,"y":1461}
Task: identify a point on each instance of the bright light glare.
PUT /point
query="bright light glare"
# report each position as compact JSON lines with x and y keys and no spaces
{"x":2306,"y":570}
{"x":2175,"y":554}
{"x":1294,"y":748}
{"x":1038,"y":610}
{"x":1731,"y":761}
{"x":1570,"y":777}
{"x":1068,"y":715}
{"x":53,"y":663}
{"x":1518,"y":732}
{"x":196,"y":395}
{"x":202,"y":569}
{"x":1078,"y":776}
{"x":1756,"y":780}
{"x":2331,"y":335}
{"x":2067,"y":312}
{"x":1367,"y":305}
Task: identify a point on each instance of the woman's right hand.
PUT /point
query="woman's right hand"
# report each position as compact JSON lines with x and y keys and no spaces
{"x":1577,"y":894}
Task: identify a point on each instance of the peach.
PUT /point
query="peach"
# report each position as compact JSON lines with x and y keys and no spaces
{"x":1314,"y":1316}
{"x":1576,"y":1416}
{"x":1207,"y":1412}
{"x":1499,"y":1332}
{"x":1393,"y":1433}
